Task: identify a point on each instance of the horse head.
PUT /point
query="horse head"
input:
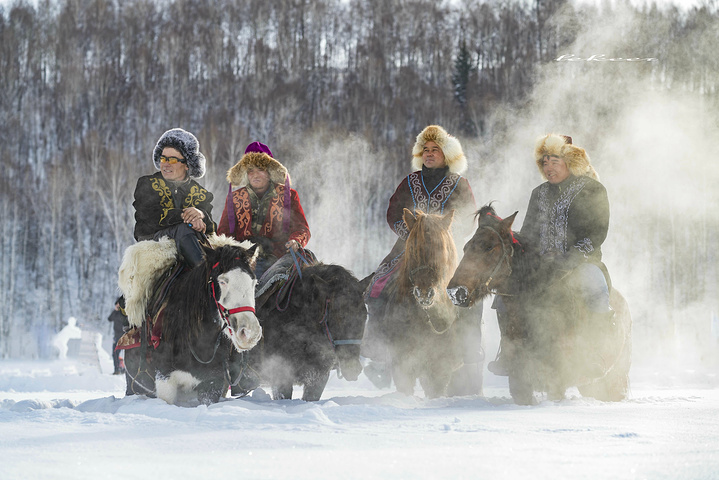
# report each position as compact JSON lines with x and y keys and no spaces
{"x":430,"y":257}
{"x":487,"y":261}
{"x":232,"y":271}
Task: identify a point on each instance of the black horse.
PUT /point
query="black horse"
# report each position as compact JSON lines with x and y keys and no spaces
{"x":315,"y":322}
{"x":207,"y":313}
{"x":547,"y":337}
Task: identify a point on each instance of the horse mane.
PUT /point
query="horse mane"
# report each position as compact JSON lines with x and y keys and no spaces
{"x":189,"y":299}
{"x":428,"y":244}
{"x":525,"y":260}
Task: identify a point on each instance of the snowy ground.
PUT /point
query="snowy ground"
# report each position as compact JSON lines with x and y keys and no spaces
{"x":67,"y":420}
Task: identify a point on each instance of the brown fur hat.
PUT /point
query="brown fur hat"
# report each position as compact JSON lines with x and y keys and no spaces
{"x":561,"y":146}
{"x":237,"y":175}
{"x":452,"y":149}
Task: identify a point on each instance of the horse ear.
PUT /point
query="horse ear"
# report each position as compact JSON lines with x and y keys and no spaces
{"x":409,"y":218}
{"x":364,"y":283}
{"x":254,"y":253}
{"x":447,"y":219}
{"x":507,"y":222}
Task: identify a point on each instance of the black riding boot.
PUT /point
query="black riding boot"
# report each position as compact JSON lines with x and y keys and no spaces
{"x":468,"y":379}
{"x":190,"y":250}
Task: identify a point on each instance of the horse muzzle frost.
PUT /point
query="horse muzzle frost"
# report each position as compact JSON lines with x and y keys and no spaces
{"x":246,"y":330}
{"x":459,"y":295}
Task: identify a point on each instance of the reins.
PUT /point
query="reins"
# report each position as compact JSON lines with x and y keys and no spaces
{"x":225,"y":315}
{"x":290,"y":283}
{"x":506,"y":255}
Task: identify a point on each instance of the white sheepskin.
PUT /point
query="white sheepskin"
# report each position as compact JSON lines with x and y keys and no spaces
{"x":142,"y":265}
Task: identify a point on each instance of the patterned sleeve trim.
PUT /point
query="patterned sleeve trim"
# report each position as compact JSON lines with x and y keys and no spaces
{"x":585,"y":246}
{"x":400,"y":228}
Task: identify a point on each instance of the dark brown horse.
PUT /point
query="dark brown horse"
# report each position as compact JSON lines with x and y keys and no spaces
{"x":419,"y":320}
{"x":546,"y":336}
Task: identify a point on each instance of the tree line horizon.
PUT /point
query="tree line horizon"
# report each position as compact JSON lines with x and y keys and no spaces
{"x":88,"y":86}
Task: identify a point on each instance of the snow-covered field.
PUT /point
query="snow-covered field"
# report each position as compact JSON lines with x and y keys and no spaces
{"x":65,"y":419}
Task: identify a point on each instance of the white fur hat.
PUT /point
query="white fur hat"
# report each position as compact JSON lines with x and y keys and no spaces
{"x":561,"y":146}
{"x":453,"y":154}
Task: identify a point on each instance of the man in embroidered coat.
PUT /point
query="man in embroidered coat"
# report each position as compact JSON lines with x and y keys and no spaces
{"x":436,"y":186}
{"x":170,"y":202}
{"x":263,"y":208}
{"x":568,"y":220}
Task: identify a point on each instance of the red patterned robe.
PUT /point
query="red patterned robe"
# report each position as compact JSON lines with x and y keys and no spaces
{"x":272,"y":227}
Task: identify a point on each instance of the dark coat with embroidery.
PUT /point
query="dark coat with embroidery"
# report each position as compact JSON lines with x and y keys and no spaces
{"x":451,"y":193}
{"x":159,"y":204}
{"x":272,"y":226}
{"x":568,"y":221}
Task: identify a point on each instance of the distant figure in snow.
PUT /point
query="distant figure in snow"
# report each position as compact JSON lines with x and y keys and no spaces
{"x":69,"y":332}
{"x":436,"y":186}
{"x":262,"y":207}
{"x":568,"y":219}
{"x":170,"y":203}
{"x":119,"y":325}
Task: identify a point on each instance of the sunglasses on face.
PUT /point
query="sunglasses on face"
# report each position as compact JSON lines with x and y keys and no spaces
{"x":171,"y":160}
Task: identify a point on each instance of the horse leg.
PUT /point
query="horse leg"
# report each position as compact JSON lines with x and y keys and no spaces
{"x":314,"y":387}
{"x":138,"y":382}
{"x":521,"y":389}
{"x":282,"y":390}
{"x":614,"y":386}
{"x":521,"y":385}
{"x":404,"y":379}
{"x":434,"y":385}
{"x":210,"y":391}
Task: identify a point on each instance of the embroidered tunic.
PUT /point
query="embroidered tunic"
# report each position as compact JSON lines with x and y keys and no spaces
{"x":159,"y":204}
{"x":452,"y":192}
{"x":570,"y":219}
{"x":264,"y":217}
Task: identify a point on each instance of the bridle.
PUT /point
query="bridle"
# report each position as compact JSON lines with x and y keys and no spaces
{"x":507,"y":254}
{"x":324,"y":321}
{"x":224,"y":314}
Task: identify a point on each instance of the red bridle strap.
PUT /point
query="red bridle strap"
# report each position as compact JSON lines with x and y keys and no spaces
{"x":239,"y":309}
{"x":224,"y":312}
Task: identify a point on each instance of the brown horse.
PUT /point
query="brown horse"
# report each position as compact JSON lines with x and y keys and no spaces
{"x":546,"y":335}
{"x":419,"y":320}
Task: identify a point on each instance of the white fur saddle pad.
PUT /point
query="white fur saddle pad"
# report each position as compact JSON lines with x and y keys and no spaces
{"x":142,"y":265}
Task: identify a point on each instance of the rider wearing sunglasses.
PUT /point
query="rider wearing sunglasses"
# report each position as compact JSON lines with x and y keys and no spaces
{"x":170,"y":202}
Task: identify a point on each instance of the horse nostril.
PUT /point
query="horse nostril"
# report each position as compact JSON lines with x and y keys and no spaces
{"x":430,"y":293}
{"x":417,"y":292}
{"x":459,"y":295}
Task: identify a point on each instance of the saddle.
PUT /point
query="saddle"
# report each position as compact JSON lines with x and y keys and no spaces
{"x":140,"y":279}
{"x":154,"y":313}
{"x":281,"y":281}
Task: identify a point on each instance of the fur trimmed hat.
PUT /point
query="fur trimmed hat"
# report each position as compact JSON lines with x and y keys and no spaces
{"x":453,"y":154}
{"x":185,"y":143}
{"x":257,"y":155}
{"x":561,"y":146}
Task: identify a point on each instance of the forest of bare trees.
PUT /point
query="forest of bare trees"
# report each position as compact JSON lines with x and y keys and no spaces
{"x":337,"y":88}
